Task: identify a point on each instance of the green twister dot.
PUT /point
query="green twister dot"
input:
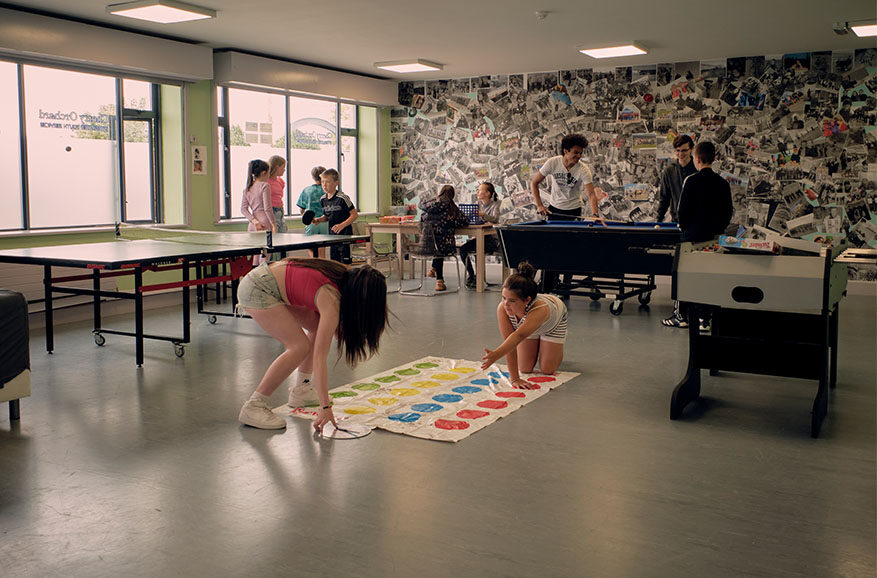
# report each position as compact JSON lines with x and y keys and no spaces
{"x":337,"y":394}
{"x":366,"y":386}
{"x":407,"y":372}
{"x":388,"y":379}
{"x":427,"y":365}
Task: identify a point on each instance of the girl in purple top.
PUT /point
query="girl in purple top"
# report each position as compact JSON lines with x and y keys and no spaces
{"x":256,"y":201}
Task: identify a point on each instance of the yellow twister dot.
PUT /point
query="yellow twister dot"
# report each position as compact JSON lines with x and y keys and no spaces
{"x":446,"y":376}
{"x":402,"y":391}
{"x":425,"y":384}
{"x":359,"y":410}
{"x":383,"y":400}
{"x":464,"y":370}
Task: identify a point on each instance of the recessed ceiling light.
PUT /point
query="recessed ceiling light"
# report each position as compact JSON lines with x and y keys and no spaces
{"x":862,"y":30}
{"x":161,"y":11}
{"x":614,"y":51}
{"x":404,"y":66}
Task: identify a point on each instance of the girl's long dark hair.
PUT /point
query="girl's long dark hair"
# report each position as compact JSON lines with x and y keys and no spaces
{"x":363,"y":306}
{"x":447,"y":193}
{"x":255,"y":168}
{"x":522,"y":282}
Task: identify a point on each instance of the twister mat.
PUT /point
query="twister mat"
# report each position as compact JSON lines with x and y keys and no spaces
{"x":433,"y":398}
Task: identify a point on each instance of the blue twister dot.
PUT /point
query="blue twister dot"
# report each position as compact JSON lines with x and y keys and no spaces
{"x":447,"y":398}
{"x":497,"y":375}
{"x":426,"y":407}
{"x":406,"y":417}
{"x":466,"y":389}
{"x":480,"y":382}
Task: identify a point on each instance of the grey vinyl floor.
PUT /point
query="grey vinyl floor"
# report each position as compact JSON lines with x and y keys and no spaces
{"x":119,"y":471}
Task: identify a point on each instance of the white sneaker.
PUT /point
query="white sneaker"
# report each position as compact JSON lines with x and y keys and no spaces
{"x":256,"y":413}
{"x":302,"y":395}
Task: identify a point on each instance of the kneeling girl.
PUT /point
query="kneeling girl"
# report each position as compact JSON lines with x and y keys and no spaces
{"x":533,"y":327}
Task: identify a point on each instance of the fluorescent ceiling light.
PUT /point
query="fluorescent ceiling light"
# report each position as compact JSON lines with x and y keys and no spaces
{"x":404,"y":66}
{"x":161,"y":11}
{"x":613,"y":51}
{"x":862,"y":30}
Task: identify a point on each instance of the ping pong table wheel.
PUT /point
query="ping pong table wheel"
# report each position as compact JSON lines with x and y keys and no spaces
{"x":179,"y":350}
{"x":211,"y":319}
{"x":645,"y":298}
{"x":99,"y":339}
{"x":596,"y":296}
{"x":616,"y":307}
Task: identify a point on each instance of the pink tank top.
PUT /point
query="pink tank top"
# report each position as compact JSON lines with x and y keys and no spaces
{"x":302,"y":284}
{"x":276,"y":184}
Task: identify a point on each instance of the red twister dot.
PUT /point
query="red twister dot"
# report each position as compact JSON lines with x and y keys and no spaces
{"x":472,"y":413}
{"x":541,"y":379}
{"x":511,"y":394}
{"x":493,"y":404}
{"x":450,"y":424}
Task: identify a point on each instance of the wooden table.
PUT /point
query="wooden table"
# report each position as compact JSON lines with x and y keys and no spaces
{"x":478,"y":232}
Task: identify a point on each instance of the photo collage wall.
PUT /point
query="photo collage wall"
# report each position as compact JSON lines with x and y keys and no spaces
{"x":795,"y":136}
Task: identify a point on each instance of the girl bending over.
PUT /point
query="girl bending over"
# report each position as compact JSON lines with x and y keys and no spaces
{"x":303,"y":303}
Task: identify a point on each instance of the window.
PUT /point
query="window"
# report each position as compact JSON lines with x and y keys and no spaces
{"x":138,"y":121}
{"x":348,"y":150}
{"x":313,"y":141}
{"x":308,"y":132}
{"x":257,"y":126}
{"x":70,"y":170}
{"x":11,"y":205}
{"x":71,"y":148}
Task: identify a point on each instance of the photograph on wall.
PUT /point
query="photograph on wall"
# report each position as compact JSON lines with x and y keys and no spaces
{"x":199,"y":160}
{"x":687,"y":70}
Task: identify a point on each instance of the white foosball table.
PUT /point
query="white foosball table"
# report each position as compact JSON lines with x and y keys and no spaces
{"x":768,"y":314}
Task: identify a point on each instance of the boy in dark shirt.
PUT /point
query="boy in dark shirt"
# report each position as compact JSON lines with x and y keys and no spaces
{"x":339,"y":212}
{"x":705,"y":210}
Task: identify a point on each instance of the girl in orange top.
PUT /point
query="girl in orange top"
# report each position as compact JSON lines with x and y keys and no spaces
{"x":276,"y":169}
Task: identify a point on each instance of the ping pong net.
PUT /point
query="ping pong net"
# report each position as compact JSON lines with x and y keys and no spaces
{"x":139,"y":232}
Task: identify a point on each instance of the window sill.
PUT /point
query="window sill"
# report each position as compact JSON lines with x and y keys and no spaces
{"x":74,"y":231}
{"x":53,"y":232}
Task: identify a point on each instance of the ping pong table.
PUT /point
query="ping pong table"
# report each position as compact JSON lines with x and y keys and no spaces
{"x":125,"y":257}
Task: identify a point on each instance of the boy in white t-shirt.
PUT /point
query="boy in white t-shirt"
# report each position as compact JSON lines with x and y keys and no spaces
{"x":570,"y":177}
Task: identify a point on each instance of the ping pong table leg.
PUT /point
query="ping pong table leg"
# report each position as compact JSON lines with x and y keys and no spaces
{"x":47,"y":287}
{"x":200,"y":290}
{"x":186,"y":313}
{"x":95,"y":285}
{"x":138,"y":314}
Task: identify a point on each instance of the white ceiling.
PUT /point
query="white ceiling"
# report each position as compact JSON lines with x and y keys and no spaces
{"x":477,"y":37}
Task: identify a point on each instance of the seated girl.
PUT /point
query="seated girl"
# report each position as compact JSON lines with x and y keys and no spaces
{"x":439,"y":218}
{"x":488,"y":210}
{"x":533,"y":326}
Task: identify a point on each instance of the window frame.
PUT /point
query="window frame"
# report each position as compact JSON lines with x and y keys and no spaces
{"x":154,"y":136}
{"x":223,"y":124}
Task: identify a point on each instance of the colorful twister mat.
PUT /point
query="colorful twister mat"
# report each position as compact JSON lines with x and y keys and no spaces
{"x":433,"y":398}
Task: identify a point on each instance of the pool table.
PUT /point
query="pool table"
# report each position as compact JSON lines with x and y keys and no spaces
{"x":599,"y":259}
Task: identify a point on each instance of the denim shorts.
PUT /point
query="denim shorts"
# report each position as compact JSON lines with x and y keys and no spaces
{"x":259,"y":290}
{"x":278,"y":220}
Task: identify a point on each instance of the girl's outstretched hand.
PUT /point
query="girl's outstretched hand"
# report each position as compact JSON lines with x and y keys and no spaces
{"x":489,"y":358}
{"x":325,"y":416}
{"x":523,"y":384}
